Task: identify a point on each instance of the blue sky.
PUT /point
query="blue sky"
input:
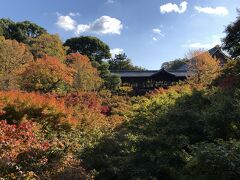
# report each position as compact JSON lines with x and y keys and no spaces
{"x":150,"y":32}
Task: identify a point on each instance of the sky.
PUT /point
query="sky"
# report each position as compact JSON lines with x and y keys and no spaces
{"x":150,"y":32}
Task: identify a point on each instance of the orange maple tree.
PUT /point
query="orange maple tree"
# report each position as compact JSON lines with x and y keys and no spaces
{"x":86,"y":77}
{"x":203,"y":68}
{"x":47,"y":74}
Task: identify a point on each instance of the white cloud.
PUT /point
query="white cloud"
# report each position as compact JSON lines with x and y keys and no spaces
{"x":155,"y":39}
{"x":73,"y":14}
{"x":158,"y":31}
{"x":221,"y":11}
{"x":167,"y":8}
{"x":66,"y":22}
{"x":103,"y":25}
{"x":116,"y":51}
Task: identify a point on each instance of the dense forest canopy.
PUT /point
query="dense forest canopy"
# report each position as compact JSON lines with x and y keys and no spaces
{"x":63,"y":115}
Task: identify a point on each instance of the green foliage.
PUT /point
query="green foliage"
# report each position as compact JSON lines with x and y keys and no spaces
{"x":47,"y":44}
{"x":96,"y":51}
{"x":166,"y":134}
{"x":112,"y":82}
{"x":229,"y":77}
{"x":92,"y":47}
{"x":121,"y":62}
{"x":20,"y":31}
{"x":125,"y":90}
{"x":232,"y":39}
{"x":217,"y":161}
{"x":4,"y":27}
{"x":174,"y":65}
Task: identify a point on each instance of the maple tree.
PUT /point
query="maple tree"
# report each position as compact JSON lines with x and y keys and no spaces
{"x":17,"y":107}
{"x":12,"y":56}
{"x":86,"y":77}
{"x":203,"y":68}
{"x":47,"y":44}
{"x":47,"y":74}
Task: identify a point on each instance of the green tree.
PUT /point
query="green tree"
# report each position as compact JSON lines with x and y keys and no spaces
{"x":231,"y":42}
{"x":122,"y":62}
{"x":20,"y":31}
{"x":111,"y":81}
{"x":92,"y":47}
{"x":179,"y":133}
{"x":4,"y":27}
{"x":216,"y":161}
{"x":174,"y":65}
{"x":47,"y":44}
{"x":96,"y":51}
{"x":229,"y":77}
{"x":12,"y":56}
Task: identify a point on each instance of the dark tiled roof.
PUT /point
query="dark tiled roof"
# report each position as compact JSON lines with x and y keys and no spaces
{"x":148,"y":73}
{"x":135,"y":73}
{"x":179,"y":73}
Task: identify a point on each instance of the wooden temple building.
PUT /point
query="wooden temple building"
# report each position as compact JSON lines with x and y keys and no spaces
{"x":143,"y":81}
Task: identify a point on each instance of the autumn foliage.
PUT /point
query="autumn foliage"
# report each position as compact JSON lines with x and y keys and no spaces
{"x":65,"y":116}
{"x":16,"y":139}
{"x":47,"y":74}
{"x":13,"y":55}
{"x":47,"y":44}
{"x":17,"y":106}
{"x":86,"y":77}
{"x":203,"y":68}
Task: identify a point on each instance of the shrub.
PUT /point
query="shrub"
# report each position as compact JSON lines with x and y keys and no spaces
{"x":21,"y":148}
{"x":45,"y":109}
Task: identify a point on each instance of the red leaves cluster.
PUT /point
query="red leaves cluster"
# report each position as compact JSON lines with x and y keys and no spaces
{"x":85,"y":99}
{"x":17,"y":139}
